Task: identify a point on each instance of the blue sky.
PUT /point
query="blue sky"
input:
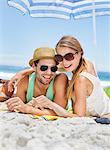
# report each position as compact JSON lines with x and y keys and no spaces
{"x":21,"y":34}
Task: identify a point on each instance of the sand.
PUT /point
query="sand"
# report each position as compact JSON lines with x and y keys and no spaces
{"x":21,"y":132}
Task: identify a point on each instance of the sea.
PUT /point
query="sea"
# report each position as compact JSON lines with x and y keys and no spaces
{"x":6,"y":72}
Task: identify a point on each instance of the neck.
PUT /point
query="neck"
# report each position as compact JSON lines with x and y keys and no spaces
{"x":41,"y":85}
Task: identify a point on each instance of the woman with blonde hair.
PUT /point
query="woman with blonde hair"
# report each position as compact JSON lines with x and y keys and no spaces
{"x":85,"y":90}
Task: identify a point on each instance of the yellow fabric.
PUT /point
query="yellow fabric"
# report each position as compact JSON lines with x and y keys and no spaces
{"x":45,"y":117}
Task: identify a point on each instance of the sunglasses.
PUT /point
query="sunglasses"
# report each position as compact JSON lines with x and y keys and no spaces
{"x":45,"y":67}
{"x":68,"y":57}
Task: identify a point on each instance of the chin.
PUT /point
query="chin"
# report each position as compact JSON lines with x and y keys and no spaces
{"x":46,"y":82}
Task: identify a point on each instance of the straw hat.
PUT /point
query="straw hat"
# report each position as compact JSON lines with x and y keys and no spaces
{"x":43,"y":52}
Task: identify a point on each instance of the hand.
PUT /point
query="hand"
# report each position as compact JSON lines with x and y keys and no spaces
{"x":14,"y":81}
{"x":34,"y":104}
{"x":10,"y":86}
{"x":16,"y":104}
{"x":42,"y":102}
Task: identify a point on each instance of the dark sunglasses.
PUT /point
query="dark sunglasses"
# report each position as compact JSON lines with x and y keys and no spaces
{"x":44,"y":68}
{"x":68,"y":57}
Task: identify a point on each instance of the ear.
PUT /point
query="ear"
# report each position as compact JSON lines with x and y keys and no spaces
{"x":81,"y":53}
{"x":33,"y":66}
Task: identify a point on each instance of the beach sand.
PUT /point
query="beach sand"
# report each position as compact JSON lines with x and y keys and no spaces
{"x":21,"y":132}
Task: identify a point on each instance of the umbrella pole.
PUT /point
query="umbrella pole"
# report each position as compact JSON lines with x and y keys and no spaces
{"x":94,"y":22}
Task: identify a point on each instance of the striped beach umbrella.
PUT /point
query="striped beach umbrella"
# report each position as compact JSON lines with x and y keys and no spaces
{"x":63,"y":9}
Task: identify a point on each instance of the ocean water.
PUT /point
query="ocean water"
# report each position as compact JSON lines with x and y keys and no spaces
{"x":6,"y":72}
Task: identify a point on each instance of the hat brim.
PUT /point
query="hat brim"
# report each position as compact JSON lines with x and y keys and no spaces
{"x":32,"y":60}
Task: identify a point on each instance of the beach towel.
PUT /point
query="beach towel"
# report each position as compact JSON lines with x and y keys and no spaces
{"x":45,"y":117}
{"x":3,"y":107}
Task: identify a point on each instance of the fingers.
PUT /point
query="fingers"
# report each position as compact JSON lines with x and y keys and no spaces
{"x":14,"y":81}
{"x":37,"y":104}
{"x":10,"y":86}
{"x":42,"y":101}
{"x":37,"y":101}
{"x":13,"y":104}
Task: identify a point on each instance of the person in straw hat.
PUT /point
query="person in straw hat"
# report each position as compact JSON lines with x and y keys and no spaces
{"x":42,"y":84}
{"x":84,"y":89}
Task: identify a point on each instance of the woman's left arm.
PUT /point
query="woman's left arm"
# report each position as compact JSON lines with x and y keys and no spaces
{"x":80,"y":91}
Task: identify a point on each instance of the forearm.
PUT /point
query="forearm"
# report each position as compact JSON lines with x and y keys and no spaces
{"x":60,"y":111}
{"x":22,"y":74}
{"x":32,"y":110}
{"x":26,"y":72}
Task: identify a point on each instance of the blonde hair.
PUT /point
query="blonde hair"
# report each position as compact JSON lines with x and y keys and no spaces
{"x":73,"y":43}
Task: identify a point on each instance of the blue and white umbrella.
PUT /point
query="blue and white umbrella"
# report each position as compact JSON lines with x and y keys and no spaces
{"x":64,"y":9}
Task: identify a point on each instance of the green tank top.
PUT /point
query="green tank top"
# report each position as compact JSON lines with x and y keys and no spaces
{"x":49,"y":93}
{"x":30,"y":90}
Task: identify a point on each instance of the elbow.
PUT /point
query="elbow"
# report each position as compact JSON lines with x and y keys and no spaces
{"x":81,"y":114}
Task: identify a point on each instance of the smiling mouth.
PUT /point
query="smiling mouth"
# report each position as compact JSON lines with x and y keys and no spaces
{"x":68,"y":66}
{"x":47,"y":77}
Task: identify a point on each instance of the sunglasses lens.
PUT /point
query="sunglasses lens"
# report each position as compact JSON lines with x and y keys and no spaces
{"x":69,"y":56}
{"x":59,"y":58}
{"x":54,"y":69}
{"x":43,"y":68}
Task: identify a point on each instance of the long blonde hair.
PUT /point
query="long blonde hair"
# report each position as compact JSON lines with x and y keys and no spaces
{"x":73,"y":43}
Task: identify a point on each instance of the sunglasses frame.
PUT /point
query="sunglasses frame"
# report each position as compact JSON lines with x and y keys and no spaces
{"x":66,"y":57}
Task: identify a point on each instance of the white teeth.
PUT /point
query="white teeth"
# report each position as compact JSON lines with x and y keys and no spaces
{"x":67,"y":66}
{"x":46,"y":77}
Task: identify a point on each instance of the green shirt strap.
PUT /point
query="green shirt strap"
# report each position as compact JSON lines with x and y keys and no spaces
{"x":49,"y":93}
{"x":30,"y":90}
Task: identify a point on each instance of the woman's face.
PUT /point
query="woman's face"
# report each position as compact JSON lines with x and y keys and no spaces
{"x":69,"y":65}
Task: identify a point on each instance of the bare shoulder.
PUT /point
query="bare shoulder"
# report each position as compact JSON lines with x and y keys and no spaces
{"x":91,"y":68}
{"x":60,"y":88}
{"x":61,"y":81}
{"x":23,"y":82}
{"x":80,"y":84}
{"x":80,"y":80}
{"x":61,"y":77}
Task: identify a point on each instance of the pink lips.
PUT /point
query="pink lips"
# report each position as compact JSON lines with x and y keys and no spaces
{"x":67,"y":66}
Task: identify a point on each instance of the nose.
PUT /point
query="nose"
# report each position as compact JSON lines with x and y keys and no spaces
{"x":60,"y":65}
{"x":65,"y":62}
{"x":49,"y":71}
